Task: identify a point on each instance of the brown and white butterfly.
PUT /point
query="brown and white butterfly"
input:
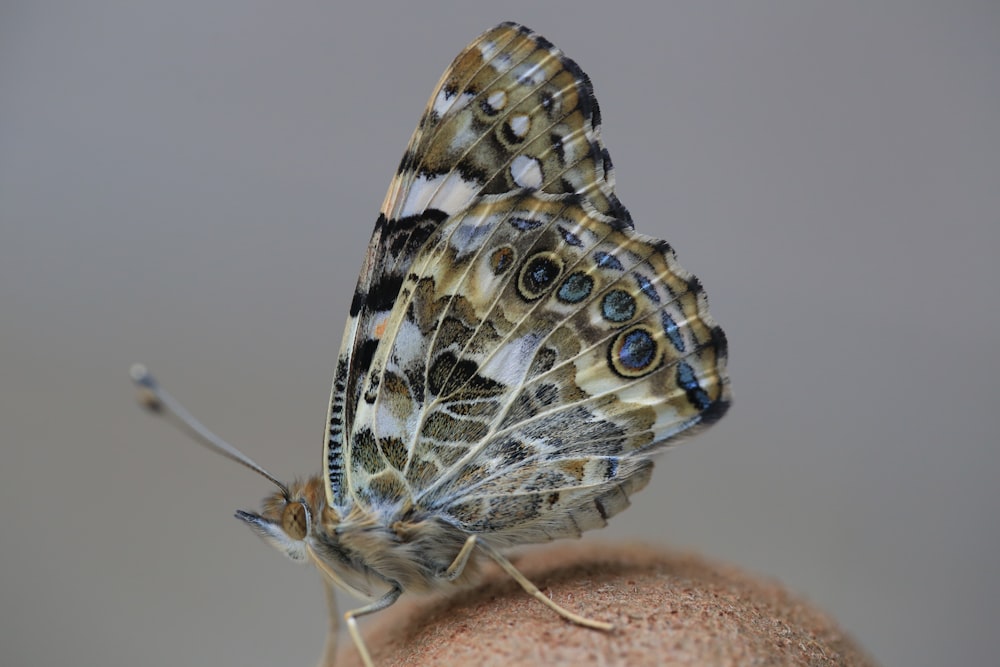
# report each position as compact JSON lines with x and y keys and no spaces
{"x":515,"y":353}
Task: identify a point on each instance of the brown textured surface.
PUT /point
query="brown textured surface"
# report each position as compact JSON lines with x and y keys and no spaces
{"x":668,"y":608}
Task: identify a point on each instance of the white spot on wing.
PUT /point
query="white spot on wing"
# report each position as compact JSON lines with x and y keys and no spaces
{"x":509,"y":363}
{"x":444,"y":102}
{"x":387,"y":423}
{"x":533,"y":75}
{"x":470,"y":236}
{"x":445,"y":192}
{"x":502,"y":62}
{"x":569,"y":145}
{"x":408,"y":346}
{"x":487,"y":49}
{"x":526,"y":172}
{"x":519,"y":125}
{"x":497,"y":100}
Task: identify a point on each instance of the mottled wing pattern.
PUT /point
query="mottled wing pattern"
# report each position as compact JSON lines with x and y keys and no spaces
{"x":510,"y":112}
{"x":538,"y":353}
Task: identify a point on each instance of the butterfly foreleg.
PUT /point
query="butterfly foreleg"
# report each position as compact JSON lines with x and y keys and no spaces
{"x":352,"y":624}
{"x":533,"y":591}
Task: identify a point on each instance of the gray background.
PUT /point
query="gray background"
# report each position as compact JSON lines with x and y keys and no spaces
{"x":192,"y":184}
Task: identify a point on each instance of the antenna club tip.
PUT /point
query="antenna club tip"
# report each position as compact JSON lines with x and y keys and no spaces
{"x":147,"y":387}
{"x":141,"y":375}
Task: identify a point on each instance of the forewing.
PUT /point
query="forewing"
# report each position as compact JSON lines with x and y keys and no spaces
{"x":538,"y":353}
{"x":510,"y":112}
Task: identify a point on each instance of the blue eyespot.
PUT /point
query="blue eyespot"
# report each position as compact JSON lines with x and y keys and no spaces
{"x":539,"y":274}
{"x":634,"y":353}
{"x":618,"y":306}
{"x":575,"y":288}
{"x":637,"y":349}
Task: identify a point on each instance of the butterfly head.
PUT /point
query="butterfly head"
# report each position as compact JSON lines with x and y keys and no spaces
{"x":290,"y":517}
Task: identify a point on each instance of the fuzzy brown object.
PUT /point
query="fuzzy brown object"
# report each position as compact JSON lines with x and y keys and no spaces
{"x":668,"y":609}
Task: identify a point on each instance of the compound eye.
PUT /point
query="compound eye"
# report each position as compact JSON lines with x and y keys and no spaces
{"x":295,"y":520}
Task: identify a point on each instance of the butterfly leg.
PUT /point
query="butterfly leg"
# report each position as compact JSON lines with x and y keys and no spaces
{"x":458,"y":565}
{"x":352,"y":625}
{"x":330,"y":650}
{"x":533,"y":591}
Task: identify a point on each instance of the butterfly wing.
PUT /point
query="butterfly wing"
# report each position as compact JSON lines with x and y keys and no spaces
{"x":538,"y":354}
{"x":510,"y":112}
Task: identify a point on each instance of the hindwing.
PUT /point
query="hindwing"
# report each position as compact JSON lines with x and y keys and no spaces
{"x":538,"y":353}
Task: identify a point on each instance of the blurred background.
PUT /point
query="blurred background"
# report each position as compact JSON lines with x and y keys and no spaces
{"x":192,"y":185}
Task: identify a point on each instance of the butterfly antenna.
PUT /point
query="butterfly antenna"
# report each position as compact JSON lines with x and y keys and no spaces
{"x":157,"y":400}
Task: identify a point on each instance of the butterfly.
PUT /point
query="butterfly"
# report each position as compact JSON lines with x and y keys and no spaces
{"x":515,"y":353}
